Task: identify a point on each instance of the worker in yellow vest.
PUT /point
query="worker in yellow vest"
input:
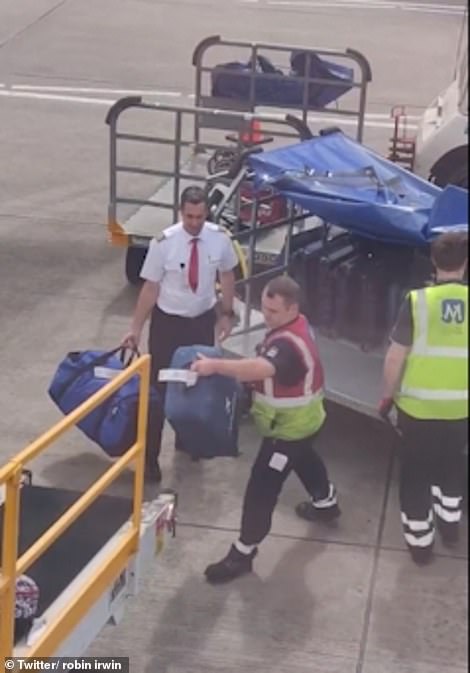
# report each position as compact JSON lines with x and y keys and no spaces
{"x":426,"y":379}
{"x":288,"y":381}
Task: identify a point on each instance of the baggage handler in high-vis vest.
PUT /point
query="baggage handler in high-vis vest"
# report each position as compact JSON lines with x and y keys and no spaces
{"x":426,"y":379}
{"x":287,"y":407}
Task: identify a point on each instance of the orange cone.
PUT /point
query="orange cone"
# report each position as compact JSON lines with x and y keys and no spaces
{"x":254,"y":135}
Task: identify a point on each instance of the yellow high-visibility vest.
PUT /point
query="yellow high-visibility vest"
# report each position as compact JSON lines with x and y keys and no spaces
{"x":435,"y":380}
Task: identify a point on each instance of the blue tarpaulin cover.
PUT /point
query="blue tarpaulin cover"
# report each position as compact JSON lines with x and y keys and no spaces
{"x":348,"y":185}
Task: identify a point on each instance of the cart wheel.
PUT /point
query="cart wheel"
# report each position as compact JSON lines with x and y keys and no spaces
{"x":134,"y":260}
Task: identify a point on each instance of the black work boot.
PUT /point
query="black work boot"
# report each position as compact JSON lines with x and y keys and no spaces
{"x":323,"y":511}
{"x":232,"y":566}
{"x":449,"y":532}
{"x":422,"y":555}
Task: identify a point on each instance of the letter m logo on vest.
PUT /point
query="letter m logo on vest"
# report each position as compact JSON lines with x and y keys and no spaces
{"x":453,"y":310}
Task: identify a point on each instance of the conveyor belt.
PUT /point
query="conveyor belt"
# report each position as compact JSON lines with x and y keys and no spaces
{"x":66,"y":558}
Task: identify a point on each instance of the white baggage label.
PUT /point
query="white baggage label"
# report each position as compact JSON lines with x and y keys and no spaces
{"x":105,"y":373}
{"x":178,"y":376}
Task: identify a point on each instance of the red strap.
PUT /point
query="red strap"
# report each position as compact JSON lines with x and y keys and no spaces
{"x":193,"y":272}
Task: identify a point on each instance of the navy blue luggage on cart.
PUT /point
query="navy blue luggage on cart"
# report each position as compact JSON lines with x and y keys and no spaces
{"x":272,"y":87}
{"x":204,"y":413}
{"x":113,"y":424}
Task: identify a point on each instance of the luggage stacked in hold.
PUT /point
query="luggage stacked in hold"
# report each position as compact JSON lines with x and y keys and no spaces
{"x":204,"y":412}
{"x":361,"y":289}
{"x":314,"y":268}
{"x":354,"y":287}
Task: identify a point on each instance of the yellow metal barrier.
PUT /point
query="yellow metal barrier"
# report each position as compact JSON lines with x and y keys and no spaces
{"x":241,"y":258}
{"x":116,"y":561}
{"x":240,"y":255}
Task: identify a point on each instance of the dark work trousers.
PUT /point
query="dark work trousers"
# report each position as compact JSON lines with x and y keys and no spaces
{"x":431,"y":477}
{"x":276,"y":459}
{"x":166,"y":334}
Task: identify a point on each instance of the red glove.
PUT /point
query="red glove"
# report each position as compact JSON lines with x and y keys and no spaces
{"x":385,"y":407}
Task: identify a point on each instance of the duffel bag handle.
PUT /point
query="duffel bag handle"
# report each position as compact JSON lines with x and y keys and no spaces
{"x":101,"y":359}
{"x":96,"y":362}
{"x":135,"y":353}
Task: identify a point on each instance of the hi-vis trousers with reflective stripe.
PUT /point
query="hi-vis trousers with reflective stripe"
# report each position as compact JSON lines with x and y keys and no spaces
{"x":431,"y":478}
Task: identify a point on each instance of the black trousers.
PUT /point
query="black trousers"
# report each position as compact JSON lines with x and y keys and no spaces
{"x":167,"y":333}
{"x":431,"y":476}
{"x":276,"y":459}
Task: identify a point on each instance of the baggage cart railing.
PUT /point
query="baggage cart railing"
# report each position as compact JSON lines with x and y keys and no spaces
{"x":402,"y":146}
{"x":114,"y":563}
{"x":361,"y":66}
{"x":247,"y":238}
{"x":178,"y":140}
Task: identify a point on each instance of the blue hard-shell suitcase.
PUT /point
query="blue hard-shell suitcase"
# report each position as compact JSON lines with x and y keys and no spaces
{"x":205,"y":416}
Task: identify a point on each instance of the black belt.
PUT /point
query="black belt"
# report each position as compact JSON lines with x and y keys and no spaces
{"x":175,"y":316}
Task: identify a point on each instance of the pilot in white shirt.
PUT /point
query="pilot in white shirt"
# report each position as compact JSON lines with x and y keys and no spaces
{"x":180,"y":273}
{"x":168,"y":263}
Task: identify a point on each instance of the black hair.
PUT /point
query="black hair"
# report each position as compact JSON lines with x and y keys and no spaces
{"x":194,"y":195}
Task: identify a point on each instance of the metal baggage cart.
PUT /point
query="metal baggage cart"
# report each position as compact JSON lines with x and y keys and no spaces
{"x":214,"y":47}
{"x":149,"y":170}
{"x":178,"y":154}
{"x":157,"y":150}
{"x":134,"y":220}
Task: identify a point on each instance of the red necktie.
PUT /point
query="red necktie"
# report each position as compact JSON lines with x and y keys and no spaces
{"x":193,"y":273}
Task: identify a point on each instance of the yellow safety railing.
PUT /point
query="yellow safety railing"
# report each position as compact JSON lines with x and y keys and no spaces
{"x":116,"y":560}
{"x":241,"y":258}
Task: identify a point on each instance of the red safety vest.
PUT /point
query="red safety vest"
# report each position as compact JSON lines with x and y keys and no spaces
{"x":291,"y":412}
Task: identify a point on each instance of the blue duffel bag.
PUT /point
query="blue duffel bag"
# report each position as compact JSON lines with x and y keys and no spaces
{"x":113,"y":424}
{"x":204,"y":414}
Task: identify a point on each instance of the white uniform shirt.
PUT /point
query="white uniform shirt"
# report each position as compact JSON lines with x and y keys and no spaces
{"x":167,"y":263}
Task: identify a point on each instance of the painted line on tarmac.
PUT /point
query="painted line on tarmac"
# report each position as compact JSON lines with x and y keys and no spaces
{"x":369,"y":122}
{"x":43,"y":88}
{"x":377,"y":120}
{"x":341,"y":5}
{"x":422,"y":8}
{"x":367,"y":3}
{"x":52,"y":97}
{"x":372,"y":116}
{"x":71,"y":89}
